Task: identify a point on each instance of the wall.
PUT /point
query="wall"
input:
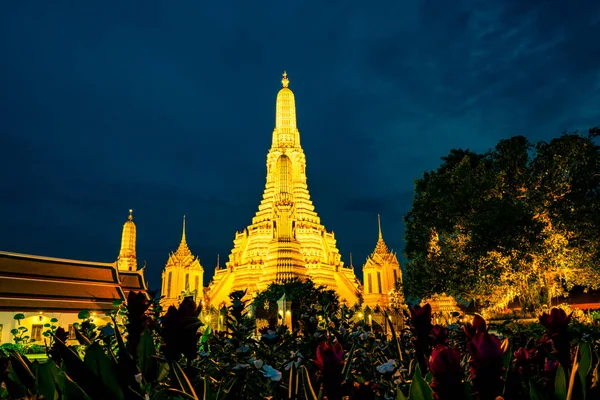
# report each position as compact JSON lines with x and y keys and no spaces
{"x":8,"y":322}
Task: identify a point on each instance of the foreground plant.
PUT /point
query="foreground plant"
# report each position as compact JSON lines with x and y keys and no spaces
{"x":331,"y":354}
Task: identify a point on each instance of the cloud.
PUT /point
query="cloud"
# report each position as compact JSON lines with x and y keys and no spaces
{"x":169,"y":110}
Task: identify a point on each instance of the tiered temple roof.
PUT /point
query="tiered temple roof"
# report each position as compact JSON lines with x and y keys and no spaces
{"x":34,"y":283}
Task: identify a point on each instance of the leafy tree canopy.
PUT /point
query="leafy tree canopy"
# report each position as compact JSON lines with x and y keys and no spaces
{"x":302,"y":294}
{"x":519,"y":221}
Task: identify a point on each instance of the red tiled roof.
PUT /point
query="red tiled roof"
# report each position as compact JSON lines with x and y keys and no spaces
{"x":52,"y":284}
{"x":133,"y":281}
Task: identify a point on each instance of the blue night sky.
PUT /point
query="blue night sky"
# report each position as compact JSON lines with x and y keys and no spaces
{"x":168,"y":108}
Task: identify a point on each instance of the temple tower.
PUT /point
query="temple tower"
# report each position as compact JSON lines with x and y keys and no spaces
{"x":127,"y":259}
{"x":183,"y":275}
{"x":381,"y":274}
{"x":286,"y":238}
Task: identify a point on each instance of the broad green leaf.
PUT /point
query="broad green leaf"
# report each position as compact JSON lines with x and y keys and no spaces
{"x":419,"y":389}
{"x":145,"y":351}
{"x":81,"y":338}
{"x":83,"y":314}
{"x":585,"y":365}
{"x":560,"y":384}
{"x":348,"y":365}
{"x":23,"y":370}
{"x":399,"y":395}
{"x":102,"y":366}
{"x":71,"y":389}
{"x":80,"y":374}
{"x":184,"y":382}
{"x":47,"y":374}
{"x":535,"y":391}
{"x":14,"y":386}
{"x":428,"y":378}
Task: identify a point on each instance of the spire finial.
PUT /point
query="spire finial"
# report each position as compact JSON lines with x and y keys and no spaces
{"x":183,"y":234}
{"x":379,"y":225}
{"x":285,"y":81}
{"x":130,"y":214}
{"x":351,"y":260}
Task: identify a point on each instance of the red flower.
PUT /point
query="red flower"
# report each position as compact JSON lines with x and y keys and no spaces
{"x":329,"y":361}
{"x":486,"y":349}
{"x":440,"y":335}
{"x":525,"y":358}
{"x":444,"y":361}
{"x":444,"y":365}
{"x":486,"y":361}
{"x":421,"y":317}
{"x":556,"y":322}
{"x":550,"y":366}
{"x":420,"y":321}
{"x":329,"y":356}
{"x":478,"y":325}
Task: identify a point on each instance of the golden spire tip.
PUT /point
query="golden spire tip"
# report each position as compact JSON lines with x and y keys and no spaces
{"x":130,"y":214}
{"x":379,"y":226}
{"x":285,"y":81}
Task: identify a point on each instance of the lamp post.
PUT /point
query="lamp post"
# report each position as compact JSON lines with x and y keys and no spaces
{"x":284,"y":307}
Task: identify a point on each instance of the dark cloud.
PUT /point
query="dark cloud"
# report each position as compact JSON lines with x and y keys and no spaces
{"x":169,"y":109}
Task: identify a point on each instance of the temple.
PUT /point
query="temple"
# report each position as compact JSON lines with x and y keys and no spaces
{"x":381,"y":274}
{"x":127,"y":260}
{"x":286,"y":238}
{"x":183,"y":275}
{"x":42,"y":288}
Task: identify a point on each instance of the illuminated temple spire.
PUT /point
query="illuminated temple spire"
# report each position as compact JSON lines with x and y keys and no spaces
{"x":183,"y":250}
{"x":127,"y":259}
{"x":286,"y":239}
{"x":286,"y":132}
{"x":381,"y":247}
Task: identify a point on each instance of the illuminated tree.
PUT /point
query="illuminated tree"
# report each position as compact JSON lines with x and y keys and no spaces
{"x":519,"y":221}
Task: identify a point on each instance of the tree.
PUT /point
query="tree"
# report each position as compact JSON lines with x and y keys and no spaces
{"x":302,"y":294}
{"x":519,"y":221}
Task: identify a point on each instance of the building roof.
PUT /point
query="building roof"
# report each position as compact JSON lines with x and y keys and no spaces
{"x":34,"y":283}
{"x":133,"y":281}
